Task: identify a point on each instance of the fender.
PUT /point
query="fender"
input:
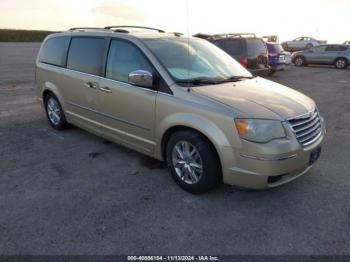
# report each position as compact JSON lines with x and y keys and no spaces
{"x":48,"y":86}
{"x":196,"y":122}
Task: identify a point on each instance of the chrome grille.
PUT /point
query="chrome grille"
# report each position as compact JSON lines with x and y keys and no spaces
{"x":307,"y":128}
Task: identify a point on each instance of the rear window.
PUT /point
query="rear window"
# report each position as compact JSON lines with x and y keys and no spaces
{"x":54,"y":51}
{"x":256,"y":47}
{"x":233,"y":47}
{"x":273,"y":48}
{"x":86,"y":54}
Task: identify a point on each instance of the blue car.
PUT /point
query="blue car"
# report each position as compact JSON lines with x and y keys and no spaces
{"x":278,"y":58}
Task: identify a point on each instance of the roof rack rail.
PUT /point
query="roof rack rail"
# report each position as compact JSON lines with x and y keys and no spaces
{"x":203,"y":36}
{"x":178,"y":34}
{"x":86,"y":28}
{"x":235,"y":35}
{"x":140,"y":27}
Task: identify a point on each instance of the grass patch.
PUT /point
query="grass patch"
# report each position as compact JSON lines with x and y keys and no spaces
{"x":9,"y":35}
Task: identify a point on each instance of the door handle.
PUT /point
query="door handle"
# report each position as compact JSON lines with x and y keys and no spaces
{"x":106,"y":89}
{"x":90,"y":85}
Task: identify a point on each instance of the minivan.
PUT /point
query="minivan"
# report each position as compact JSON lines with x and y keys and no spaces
{"x":181,"y":100}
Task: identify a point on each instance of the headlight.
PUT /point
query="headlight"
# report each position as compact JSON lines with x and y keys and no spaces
{"x":258,"y":130}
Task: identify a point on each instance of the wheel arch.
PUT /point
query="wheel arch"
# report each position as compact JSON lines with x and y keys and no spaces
{"x":197,"y":123}
{"x":302,"y":56}
{"x":342,"y":57}
{"x":50,"y":88}
{"x":170,"y":131}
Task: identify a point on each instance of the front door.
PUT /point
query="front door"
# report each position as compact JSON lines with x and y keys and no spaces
{"x":316,"y":55}
{"x":127,"y":112}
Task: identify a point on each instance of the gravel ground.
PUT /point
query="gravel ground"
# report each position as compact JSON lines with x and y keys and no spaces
{"x":74,"y":193}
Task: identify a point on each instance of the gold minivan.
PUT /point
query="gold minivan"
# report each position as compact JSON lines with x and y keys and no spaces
{"x":181,"y":100}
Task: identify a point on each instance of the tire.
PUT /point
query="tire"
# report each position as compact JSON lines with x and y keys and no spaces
{"x":341,"y":63}
{"x":271,"y":72}
{"x":193,"y":162}
{"x":299,"y":61}
{"x":54,"y":112}
{"x":308,"y":46}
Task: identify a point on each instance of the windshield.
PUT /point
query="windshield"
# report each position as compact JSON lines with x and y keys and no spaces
{"x":194,"y":59}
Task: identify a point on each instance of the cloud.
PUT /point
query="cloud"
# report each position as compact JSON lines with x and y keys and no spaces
{"x":119,"y":11}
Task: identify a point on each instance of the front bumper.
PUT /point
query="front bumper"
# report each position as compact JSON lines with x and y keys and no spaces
{"x":273,"y":164}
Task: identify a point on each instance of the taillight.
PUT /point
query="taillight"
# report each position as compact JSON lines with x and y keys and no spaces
{"x":244,"y":62}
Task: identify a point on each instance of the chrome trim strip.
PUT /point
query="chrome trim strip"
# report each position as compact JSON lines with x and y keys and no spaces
{"x":303,"y":115}
{"x":310,"y":119}
{"x":109,"y":116}
{"x":307,"y":132}
{"x":313,"y":140}
{"x":268,"y":159}
{"x":315,"y":121}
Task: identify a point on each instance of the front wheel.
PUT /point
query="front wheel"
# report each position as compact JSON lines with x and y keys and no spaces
{"x":193,"y":162}
{"x":341,"y":63}
{"x":308,"y":46}
{"x":299,"y":61}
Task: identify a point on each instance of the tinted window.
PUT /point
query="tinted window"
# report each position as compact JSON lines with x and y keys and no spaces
{"x":256,"y":47}
{"x":335,"y":48}
{"x":233,"y":47}
{"x":123,"y":58}
{"x":86,"y":55}
{"x":319,"y":48}
{"x":54,"y":51}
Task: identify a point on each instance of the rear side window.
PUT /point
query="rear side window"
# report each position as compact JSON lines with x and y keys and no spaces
{"x":123,"y":58}
{"x":256,"y":47}
{"x":233,"y":47}
{"x":54,"y":51}
{"x":86,"y":54}
{"x":335,"y":48}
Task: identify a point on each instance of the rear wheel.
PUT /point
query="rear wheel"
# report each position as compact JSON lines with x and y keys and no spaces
{"x":193,"y":162}
{"x":299,"y":61}
{"x":54,"y":112}
{"x":285,"y":46}
{"x":341,"y":63}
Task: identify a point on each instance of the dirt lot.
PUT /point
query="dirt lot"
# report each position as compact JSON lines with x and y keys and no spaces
{"x":73,"y":193}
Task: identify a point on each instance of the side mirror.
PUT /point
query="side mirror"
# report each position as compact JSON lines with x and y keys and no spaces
{"x":141,"y":78}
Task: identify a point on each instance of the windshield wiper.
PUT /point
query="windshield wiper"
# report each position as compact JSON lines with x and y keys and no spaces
{"x":200,"y":81}
{"x":237,"y":78}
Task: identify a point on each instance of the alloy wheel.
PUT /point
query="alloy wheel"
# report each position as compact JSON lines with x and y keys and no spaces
{"x":340,"y":64}
{"x":53,"y":111}
{"x":187,"y":162}
{"x":299,"y":61}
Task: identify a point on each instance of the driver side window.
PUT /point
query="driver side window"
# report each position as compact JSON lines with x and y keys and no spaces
{"x":123,"y":58}
{"x":319,"y":49}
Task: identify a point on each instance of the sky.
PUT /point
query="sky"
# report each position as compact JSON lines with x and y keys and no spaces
{"x":322,"y":19}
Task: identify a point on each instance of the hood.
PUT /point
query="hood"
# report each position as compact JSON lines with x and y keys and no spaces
{"x":259,"y":98}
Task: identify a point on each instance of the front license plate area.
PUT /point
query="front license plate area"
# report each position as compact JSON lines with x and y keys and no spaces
{"x":314,"y":155}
